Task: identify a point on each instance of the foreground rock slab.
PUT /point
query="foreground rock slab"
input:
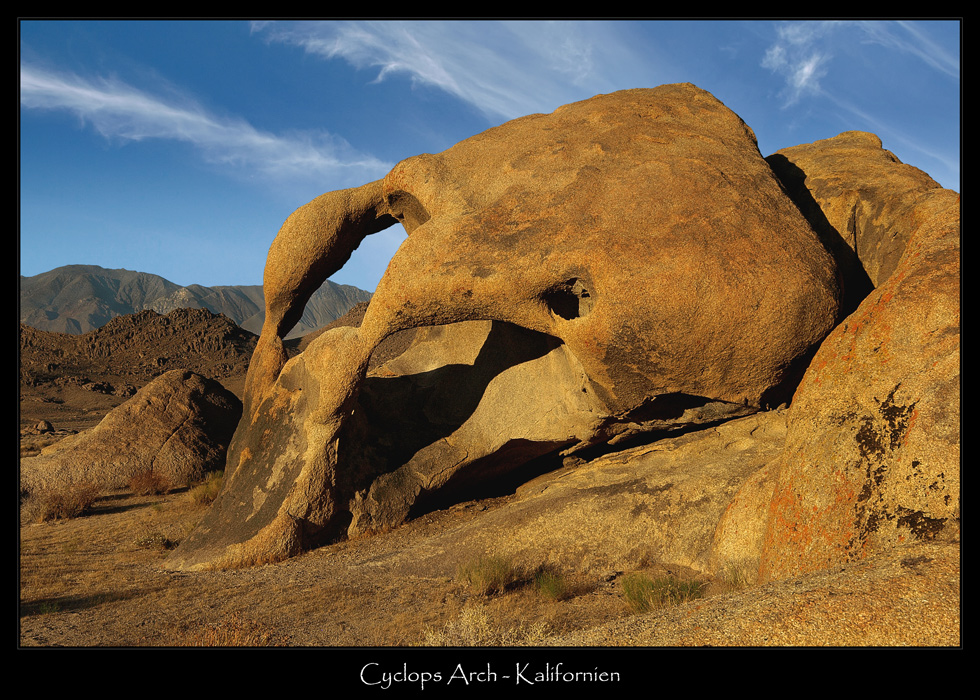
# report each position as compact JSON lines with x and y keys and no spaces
{"x":907,"y":596}
{"x":655,"y":503}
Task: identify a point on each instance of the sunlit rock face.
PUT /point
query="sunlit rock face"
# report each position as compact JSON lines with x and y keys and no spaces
{"x":624,"y":264}
{"x":872,"y":455}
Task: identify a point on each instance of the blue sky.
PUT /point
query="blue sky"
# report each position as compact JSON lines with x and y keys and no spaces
{"x":179,"y":147}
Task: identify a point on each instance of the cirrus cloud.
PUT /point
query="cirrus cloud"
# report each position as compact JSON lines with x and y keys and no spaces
{"x":121,"y":112}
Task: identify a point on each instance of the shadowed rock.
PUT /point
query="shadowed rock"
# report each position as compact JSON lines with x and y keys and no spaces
{"x":638,"y":239}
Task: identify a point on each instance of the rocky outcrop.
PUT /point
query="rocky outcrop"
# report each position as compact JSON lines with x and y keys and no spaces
{"x":178,"y":427}
{"x":638,"y":242}
{"x":872,"y":455}
{"x":136,"y":348}
{"x":873,"y":446}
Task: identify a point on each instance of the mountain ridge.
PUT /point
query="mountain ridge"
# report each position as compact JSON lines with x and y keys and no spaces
{"x":76,"y":299}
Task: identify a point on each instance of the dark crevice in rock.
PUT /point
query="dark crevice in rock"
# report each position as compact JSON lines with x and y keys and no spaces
{"x":493,"y":477}
{"x":855,"y":282}
{"x":407,"y":210}
{"x":484,"y":481}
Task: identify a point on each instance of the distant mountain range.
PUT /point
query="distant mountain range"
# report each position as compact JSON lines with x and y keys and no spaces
{"x":80,"y":298}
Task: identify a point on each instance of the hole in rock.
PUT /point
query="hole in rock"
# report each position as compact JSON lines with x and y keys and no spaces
{"x":336,"y":301}
{"x":342,"y":299}
{"x":570,"y":299}
{"x":407,"y":210}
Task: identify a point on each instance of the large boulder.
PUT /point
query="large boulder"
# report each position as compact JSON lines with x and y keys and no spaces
{"x":638,"y":237}
{"x":873,"y":446}
{"x":178,"y":427}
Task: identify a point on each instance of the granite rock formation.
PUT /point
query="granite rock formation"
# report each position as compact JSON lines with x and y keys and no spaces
{"x":636,"y":245}
{"x":872,"y":455}
{"x":178,"y":426}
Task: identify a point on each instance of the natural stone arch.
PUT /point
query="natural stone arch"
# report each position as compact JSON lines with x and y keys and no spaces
{"x":642,"y":229}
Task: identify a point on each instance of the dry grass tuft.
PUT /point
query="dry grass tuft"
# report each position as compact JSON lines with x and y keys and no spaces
{"x":54,"y":503}
{"x":736,"y":577}
{"x":644,"y":594}
{"x":148,"y":483}
{"x":204,"y":493}
{"x":473,"y":628}
{"x":487,"y":575}
{"x":552,"y":584}
{"x":233,"y":631}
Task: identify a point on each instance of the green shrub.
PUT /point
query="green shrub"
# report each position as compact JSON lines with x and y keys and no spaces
{"x":644,"y":594}
{"x":487,"y":575}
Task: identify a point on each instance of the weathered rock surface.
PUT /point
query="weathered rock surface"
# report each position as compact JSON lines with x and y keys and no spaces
{"x":641,"y":232}
{"x":178,"y":426}
{"x":873,"y":449}
{"x":469,"y":401}
{"x":654,"y":503}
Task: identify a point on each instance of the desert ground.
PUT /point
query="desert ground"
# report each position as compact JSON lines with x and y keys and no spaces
{"x":96,"y":580}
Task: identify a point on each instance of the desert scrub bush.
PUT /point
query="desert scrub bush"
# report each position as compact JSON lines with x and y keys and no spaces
{"x":148,"y":483}
{"x":63,"y":503}
{"x":643,"y":594}
{"x":473,"y":628}
{"x":551,"y":584}
{"x":487,"y":575}
{"x":205,"y":492}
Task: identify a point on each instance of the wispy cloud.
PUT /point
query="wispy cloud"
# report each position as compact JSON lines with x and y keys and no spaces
{"x":503,"y":69}
{"x":803,"y":50}
{"x":796,"y":57}
{"x":909,"y":38}
{"x":121,"y":112}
